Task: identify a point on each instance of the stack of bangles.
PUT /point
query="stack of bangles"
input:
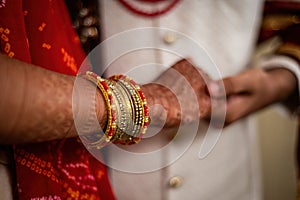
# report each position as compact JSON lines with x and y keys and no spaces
{"x":128,"y":114}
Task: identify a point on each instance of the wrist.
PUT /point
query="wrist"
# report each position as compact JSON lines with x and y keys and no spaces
{"x":149,"y":95}
{"x":163,"y":104}
{"x":101,"y":109}
{"x":283,"y":83}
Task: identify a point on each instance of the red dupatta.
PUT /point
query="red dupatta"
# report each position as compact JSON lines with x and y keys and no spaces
{"x":40,"y":32}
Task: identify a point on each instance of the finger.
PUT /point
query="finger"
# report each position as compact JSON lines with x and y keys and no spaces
{"x":241,"y":83}
{"x":218,"y":112}
{"x":238,"y":107}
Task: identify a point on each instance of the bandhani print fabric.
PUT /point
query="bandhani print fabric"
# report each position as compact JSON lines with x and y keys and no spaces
{"x":40,"y":32}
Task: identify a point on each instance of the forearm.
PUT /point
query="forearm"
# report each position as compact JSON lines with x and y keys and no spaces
{"x":36,"y":104}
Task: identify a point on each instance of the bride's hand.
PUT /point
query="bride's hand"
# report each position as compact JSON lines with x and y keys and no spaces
{"x":179,"y":95}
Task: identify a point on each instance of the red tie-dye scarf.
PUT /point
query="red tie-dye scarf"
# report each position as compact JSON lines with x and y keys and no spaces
{"x":40,"y":32}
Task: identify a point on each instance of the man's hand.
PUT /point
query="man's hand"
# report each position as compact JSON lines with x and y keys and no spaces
{"x":252,"y":90}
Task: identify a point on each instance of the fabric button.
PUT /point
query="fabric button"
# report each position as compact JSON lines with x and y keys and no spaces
{"x":169,"y":38}
{"x":175,"y":182}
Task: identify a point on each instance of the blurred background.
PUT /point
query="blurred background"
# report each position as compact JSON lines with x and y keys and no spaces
{"x":278,"y":143}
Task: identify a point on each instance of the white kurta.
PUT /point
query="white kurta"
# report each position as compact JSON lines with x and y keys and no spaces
{"x":227,"y":31}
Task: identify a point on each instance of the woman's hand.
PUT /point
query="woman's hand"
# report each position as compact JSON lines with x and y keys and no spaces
{"x":252,"y":90}
{"x":178,"y":95}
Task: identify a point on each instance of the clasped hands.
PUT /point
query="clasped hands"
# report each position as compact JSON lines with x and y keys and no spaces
{"x":186,"y":93}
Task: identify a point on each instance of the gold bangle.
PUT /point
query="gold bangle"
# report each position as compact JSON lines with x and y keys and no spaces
{"x":127,"y":111}
{"x":124,"y":110}
{"x":139,"y":108}
{"x":111,"y":109}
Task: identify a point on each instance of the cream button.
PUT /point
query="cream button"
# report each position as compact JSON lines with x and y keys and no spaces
{"x":175,"y":182}
{"x":169,"y":38}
